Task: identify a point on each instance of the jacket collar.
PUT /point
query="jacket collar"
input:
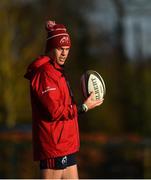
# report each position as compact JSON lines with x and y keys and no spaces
{"x":57,"y":66}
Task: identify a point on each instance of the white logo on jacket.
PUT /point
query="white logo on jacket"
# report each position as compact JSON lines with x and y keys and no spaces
{"x":48,"y":89}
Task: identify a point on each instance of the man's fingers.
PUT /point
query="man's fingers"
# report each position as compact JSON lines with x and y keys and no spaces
{"x":99,"y":102}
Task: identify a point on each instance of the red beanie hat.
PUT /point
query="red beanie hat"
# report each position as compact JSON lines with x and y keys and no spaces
{"x":57,"y":35}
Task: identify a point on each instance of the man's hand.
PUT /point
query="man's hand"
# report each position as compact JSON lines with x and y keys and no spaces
{"x":91,"y":103}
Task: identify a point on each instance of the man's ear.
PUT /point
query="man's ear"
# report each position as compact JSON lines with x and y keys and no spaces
{"x":51,"y":53}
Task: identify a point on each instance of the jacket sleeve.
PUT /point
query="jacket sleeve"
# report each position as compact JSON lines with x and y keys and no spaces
{"x":50,"y":96}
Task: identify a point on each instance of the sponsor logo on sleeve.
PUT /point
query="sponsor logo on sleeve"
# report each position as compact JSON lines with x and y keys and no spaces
{"x":48,"y":89}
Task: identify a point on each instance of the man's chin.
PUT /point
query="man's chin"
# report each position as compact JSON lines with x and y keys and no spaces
{"x":61,"y":62}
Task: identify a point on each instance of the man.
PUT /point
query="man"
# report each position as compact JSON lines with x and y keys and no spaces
{"x":54,"y":111}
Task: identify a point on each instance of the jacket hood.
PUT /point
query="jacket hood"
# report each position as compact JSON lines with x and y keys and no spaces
{"x":35,"y":65}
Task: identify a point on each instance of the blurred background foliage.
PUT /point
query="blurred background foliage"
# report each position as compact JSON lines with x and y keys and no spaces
{"x":98,"y":30}
{"x":109,"y":36}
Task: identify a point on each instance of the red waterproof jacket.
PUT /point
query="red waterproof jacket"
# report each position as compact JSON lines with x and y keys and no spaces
{"x":55,"y":125}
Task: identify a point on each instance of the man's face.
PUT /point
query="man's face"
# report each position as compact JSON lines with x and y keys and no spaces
{"x":61,"y":54}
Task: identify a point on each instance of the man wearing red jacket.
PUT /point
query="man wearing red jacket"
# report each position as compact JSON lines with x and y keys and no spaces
{"x":54,"y":112}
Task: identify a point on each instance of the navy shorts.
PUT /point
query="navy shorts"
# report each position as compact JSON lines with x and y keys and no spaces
{"x":58,"y":162}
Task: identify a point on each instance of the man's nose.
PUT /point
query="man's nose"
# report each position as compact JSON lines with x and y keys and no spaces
{"x":63,"y":53}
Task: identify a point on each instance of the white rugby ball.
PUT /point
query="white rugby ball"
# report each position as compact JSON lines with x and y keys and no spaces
{"x":91,"y":81}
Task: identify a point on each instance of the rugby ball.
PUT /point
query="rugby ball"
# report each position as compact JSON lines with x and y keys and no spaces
{"x":91,"y":81}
